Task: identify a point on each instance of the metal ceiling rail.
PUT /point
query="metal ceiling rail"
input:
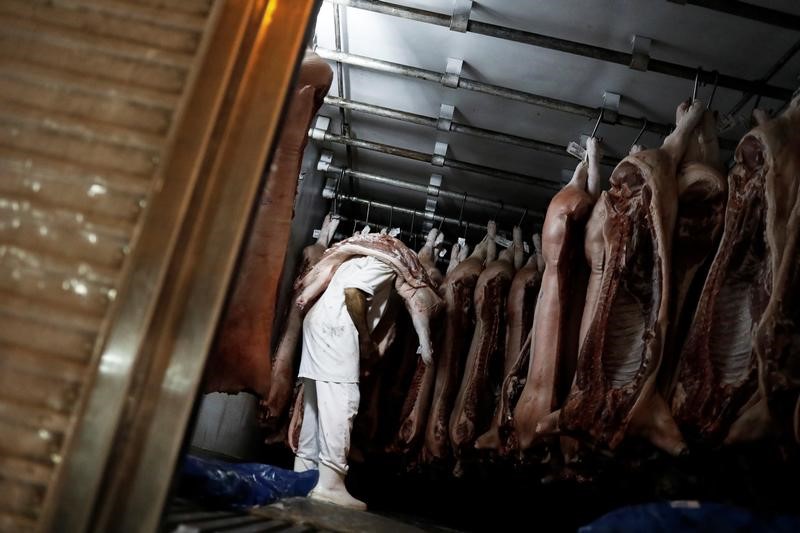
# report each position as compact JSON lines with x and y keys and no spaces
{"x":408,"y":211}
{"x":571,"y":47}
{"x":388,"y":67}
{"x":428,"y":158}
{"x":431,"y":122}
{"x":402,"y":184}
{"x":774,"y":69}
{"x":411,"y":239}
{"x":345,"y":119}
{"x":486,"y":88}
{"x":748,"y":11}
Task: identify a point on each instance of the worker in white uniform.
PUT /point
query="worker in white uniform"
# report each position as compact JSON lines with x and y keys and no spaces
{"x":336,"y":335}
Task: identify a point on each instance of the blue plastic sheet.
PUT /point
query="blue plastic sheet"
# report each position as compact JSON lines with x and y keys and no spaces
{"x":690,"y":516}
{"x":240,"y":485}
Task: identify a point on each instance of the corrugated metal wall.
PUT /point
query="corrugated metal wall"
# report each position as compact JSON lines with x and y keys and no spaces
{"x":89,"y":91}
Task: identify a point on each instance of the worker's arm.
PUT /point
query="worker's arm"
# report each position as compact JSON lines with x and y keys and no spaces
{"x":356,"y":302}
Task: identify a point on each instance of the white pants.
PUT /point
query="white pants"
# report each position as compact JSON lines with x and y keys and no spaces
{"x":328,"y":412}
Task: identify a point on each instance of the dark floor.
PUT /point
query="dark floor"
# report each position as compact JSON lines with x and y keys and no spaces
{"x":497,"y":496}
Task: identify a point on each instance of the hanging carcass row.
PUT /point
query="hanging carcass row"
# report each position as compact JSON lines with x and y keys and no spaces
{"x":614,"y":392}
{"x":474,"y":406}
{"x":522,"y":299}
{"x":459,"y":317}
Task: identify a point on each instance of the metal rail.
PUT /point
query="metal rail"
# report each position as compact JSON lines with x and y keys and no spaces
{"x":503,"y":92}
{"x":571,"y":47}
{"x":748,"y":11}
{"x":427,"y":158}
{"x":431,"y":122}
{"x":774,"y":69}
{"x":345,"y":119}
{"x":462,"y":224}
{"x":423,"y":189}
{"x":487,"y":88}
{"x":411,"y":238}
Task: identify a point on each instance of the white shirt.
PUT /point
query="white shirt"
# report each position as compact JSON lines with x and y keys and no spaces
{"x":330,"y":339}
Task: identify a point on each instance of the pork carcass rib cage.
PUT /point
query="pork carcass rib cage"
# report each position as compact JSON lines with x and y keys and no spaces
{"x":717,"y":396}
{"x":614,"y":392}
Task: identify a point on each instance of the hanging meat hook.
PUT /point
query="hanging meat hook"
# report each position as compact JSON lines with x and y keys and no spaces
{"x":696,"y":83}
{"x":412,"y":238}
{"x":714,"y":90}
{"x":336,"y":200}
{"x":524,"y":214}
{"x":499,"y":209}
{"x":461,"y":215}
{"x":597,"y":124}
{"x":639,"y":135}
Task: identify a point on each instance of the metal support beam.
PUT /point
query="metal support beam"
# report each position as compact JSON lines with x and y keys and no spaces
{"x":408,"y":211}
{"x":447,"y":162}
{"x":338,"y":31}
{"x":503,"y":92}
{"x":404,"y":234}
{"x":729,"y":119}
{"x":486,"y":88}
{"x":749,"y":11}
{"x":456,"y":127}
{"x":423,"y":189}
{"x":572,"y":47}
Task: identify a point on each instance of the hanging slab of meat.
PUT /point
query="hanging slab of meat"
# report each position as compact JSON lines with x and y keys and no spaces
{"x":473,"y":407}
{"x":273,"y":407}
{"x":459,"y":317}
{"x":413,"y":284}
{"x":751,"y":287}
{"x":520,"y":307}
{"x":614,"y":393}
{"x":239,"y":360}
{"x":702,"y":191}
{"x":717,"y":376}
{"x":777,"y":340}
{"x":556,"y":323}
{"x":414,"y":414}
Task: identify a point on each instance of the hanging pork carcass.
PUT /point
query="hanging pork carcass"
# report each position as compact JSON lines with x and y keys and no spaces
{"x":614,"y":393}
{"x":556,"y":321}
